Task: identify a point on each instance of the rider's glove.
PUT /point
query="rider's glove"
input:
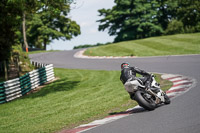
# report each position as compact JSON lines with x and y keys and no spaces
{"x":152,"y":75}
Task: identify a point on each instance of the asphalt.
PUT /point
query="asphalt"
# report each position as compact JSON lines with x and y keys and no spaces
{"x":181,"y":116}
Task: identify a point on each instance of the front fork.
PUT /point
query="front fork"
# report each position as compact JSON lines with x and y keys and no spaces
{"x":159,"y":96}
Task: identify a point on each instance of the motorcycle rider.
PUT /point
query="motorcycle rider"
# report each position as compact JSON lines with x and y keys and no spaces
{"x":128,"y":74}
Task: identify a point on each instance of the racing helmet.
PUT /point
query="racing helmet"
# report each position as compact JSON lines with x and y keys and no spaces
{"x":123,"y":65}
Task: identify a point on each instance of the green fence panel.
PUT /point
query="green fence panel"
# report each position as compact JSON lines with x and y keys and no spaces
{"x":25,"y":83}
{"x":24,"y":76}
{"x":26,"y":91}
{"x":2,"y":101}
{"x":43,"y":76}
{"x":38,"y":76}
{"x":26,"y":86}
{"x":2,"y":94}
{"x":2,"y":86}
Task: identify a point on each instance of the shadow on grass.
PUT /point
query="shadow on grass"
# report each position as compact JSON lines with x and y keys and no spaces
{"x":60,"y":85}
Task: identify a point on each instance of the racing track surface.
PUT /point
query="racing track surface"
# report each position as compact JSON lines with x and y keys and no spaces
{"x":181,"y":116}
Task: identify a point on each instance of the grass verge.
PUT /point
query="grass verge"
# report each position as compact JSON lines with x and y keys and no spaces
{"x":78,"y":97}
{"x":154,"y":46}
{"x":42,"y":51}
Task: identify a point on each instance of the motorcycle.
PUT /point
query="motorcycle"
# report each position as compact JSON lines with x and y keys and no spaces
{"x":147,"y":98}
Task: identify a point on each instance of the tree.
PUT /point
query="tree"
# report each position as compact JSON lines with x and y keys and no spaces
{"x":9,"y":22}
{"x":188,"y":12}
{"x":50,"y":22}
{"x":11,"y":12}
{"x":131,"y":19}
{"x":52,"y":14}
{"x":28,"y":7}
{"x":166,"y":12}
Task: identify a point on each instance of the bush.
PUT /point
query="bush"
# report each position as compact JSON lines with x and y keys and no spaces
{"x":174,"y":27}
{"x":197,"y":27}
{"x":189,"y":29}
{"x":23,"y":60}
{"x":17,"y":65}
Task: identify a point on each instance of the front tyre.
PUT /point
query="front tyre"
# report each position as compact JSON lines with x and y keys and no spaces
{"x":144,"y":101}
{"x":167,"y":100}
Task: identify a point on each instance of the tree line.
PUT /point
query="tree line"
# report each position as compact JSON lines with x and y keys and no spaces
{"x":34,"y":23}
{"x":136,"y":19}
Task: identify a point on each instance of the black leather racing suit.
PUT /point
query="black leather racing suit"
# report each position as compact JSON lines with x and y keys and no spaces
{"x":129,"y":73}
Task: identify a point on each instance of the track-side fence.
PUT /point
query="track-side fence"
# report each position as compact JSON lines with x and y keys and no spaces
{"x":12,"y":89}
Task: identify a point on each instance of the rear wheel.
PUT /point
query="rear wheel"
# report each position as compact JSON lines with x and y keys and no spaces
{"x":145,"y":100}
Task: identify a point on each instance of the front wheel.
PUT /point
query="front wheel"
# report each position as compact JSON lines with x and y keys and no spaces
{"x":144,"y":100}
{"x":167,"y":100}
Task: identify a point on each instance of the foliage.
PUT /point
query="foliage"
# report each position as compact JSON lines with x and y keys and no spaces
{"x":174,"y":27}
{"x":131,"y":19}
{"x":24,"y":60}
{"x":166,"y":12}
{"x":50,"y":22}
{"x":17,"y":64}
{"x":189,"y":12}
{"x":47,"y":20}
{"x":9,"y":23}
{"x":135,"y":19}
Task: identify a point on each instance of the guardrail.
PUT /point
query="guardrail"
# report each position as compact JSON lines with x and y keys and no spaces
{"x":18,"y":87}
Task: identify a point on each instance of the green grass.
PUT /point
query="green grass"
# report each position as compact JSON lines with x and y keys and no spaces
{"x":78,"y":97}
{"x":154,"y":46}
{"x":42,"y":51}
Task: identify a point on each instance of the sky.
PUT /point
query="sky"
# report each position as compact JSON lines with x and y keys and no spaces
{"x":85,"y":13}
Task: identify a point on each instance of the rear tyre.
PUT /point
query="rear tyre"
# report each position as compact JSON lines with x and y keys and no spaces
{"x":144,"y":101}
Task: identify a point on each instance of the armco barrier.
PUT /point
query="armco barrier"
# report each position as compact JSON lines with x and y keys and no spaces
{"x":18,"y":87}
